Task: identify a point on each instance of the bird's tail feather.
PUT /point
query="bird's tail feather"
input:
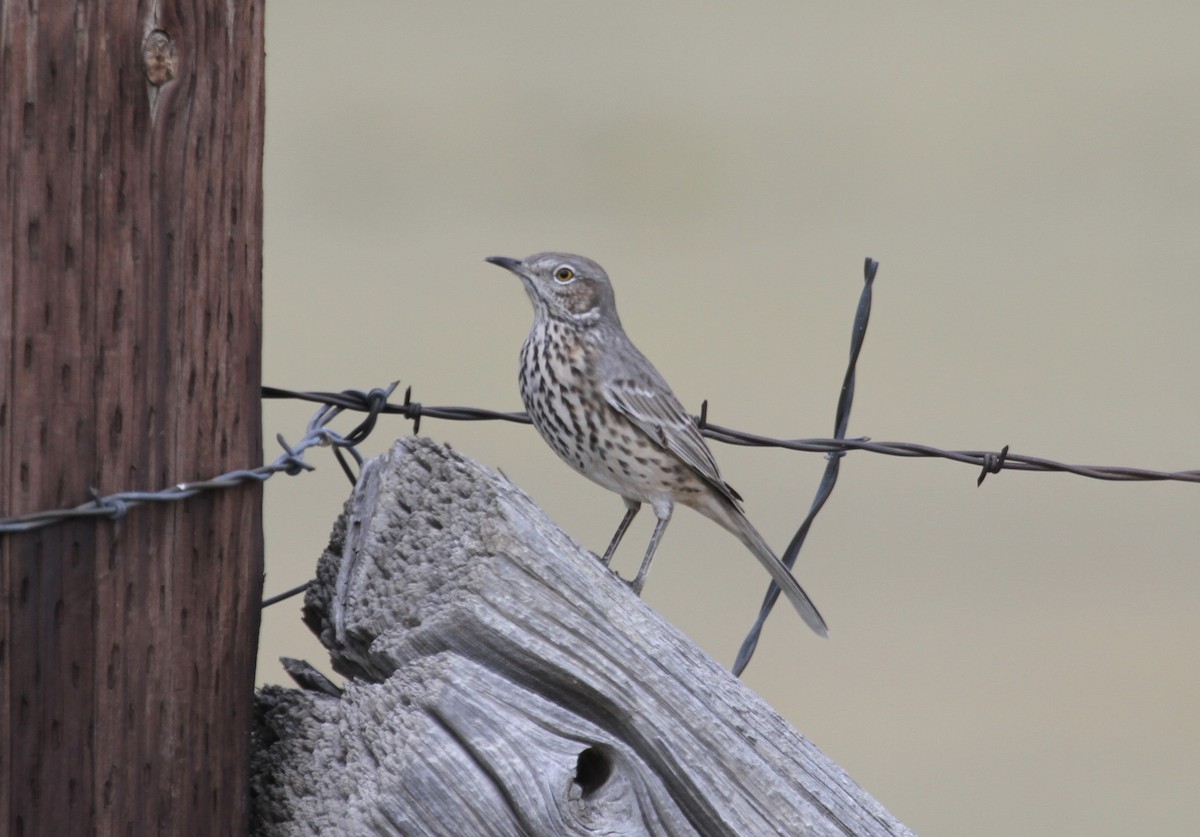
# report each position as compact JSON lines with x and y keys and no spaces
{"x":737,"y":523}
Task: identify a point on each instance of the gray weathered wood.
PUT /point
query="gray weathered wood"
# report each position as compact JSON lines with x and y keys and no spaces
{"x":501,"y":681}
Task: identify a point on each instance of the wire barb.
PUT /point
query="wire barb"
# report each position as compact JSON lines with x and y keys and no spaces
{"x":114,"y":508}
{"x":412,"y":410}
{"x":992,"y":463}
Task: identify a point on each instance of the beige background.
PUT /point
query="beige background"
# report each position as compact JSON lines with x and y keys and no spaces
{"x":1016,"y":659}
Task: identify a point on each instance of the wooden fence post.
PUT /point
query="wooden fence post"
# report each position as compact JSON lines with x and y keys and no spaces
{"x":501,"y":681}
{"x":131,"y":138}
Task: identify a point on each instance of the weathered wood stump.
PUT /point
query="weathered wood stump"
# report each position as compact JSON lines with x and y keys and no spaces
{"x":501,"y":681}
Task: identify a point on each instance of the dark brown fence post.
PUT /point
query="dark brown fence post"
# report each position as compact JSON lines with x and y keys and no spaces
{"x":131,"y":139}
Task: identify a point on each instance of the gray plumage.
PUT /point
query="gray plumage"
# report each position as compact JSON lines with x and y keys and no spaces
{"x":604,"y":408}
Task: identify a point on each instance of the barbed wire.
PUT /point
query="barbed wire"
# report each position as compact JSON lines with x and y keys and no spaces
{"x":375,"y":403}
{"x":291,"y":461}
{"x":990,"y":461}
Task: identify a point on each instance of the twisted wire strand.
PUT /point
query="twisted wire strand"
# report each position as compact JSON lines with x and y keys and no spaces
{"x":375,"y":403}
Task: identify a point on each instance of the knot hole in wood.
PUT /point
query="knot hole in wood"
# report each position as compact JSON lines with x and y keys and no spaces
{"x":592,"y":769}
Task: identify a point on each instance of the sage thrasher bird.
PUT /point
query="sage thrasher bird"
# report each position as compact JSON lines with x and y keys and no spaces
{"x":607,"y":412}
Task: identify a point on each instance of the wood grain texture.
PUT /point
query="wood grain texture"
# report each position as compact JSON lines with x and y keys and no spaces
{"x":502,"y":681}
{"x":130,"y":309}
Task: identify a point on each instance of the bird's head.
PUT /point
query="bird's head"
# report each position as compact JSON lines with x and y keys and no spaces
{"x":565,"y":287}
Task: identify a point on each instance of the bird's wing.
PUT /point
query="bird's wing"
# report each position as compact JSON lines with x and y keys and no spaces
{"x":648,"y":402}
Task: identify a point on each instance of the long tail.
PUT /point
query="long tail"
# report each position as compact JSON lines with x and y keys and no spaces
{"x":733,"y":520}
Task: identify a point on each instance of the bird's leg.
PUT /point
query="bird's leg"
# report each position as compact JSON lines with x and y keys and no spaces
{"x":631,"y":507}
{"x":659,"y":528}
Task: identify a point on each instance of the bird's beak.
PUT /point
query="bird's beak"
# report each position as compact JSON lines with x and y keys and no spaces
{"x":515,"y":265}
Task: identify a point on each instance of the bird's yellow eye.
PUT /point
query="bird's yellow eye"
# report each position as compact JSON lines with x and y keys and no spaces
{"x":564,"y":274}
